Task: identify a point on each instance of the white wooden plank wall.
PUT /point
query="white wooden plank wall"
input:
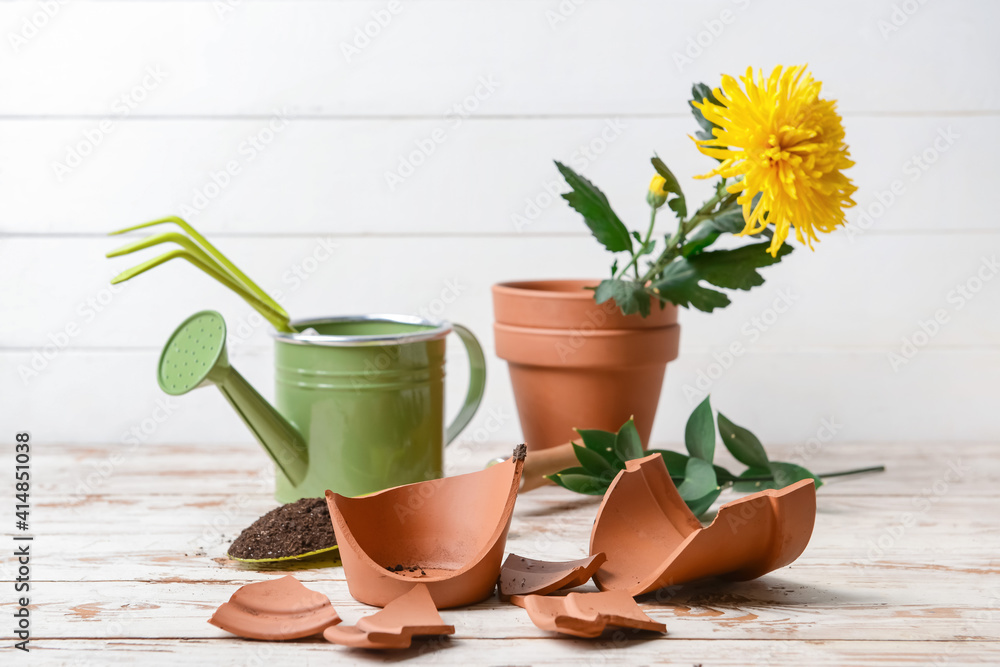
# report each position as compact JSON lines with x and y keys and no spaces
{"x":255,"y":119}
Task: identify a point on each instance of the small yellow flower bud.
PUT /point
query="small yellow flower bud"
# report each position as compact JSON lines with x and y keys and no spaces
{"x":656,"y":196}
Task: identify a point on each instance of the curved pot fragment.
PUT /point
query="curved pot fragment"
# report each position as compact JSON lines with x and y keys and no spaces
{"x":526,"y":576}
{"x":652,"y":539}
{"x":275,"y":609}
{"x":394,"y":627}
{"x":586,"y":614}
{"x":446,"y":533}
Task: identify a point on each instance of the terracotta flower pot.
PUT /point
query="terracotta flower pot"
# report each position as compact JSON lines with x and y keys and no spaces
{"x":575,"y":363}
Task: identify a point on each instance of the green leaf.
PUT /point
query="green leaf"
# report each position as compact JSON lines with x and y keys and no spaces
{"x":789,"y":473}
{"x":729,"y":221}
{"x":602,"y":442}
{"x":699,"y":433}
{"x":679,"y":285}
{"x":596,"y":211}
{"x":699,"y":243}
{"x":699,"y":506}
{"x":699,"y":480}
{"x":593,"y":462}
{"x":699,"y":93}
{"x":678,"y":205}
{"x":579,"y":481}
{"x":736,"y":269}
{"x":754,"y":486}
{"x":676,"y":462}
{"x":631,"y":297}
{"x":742,"y":444}
{"x":628,"y":446}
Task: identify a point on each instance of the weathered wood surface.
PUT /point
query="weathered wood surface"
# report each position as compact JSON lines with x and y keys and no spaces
{"x":901,"y":569}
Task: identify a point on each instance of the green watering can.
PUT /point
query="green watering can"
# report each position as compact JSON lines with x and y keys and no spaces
{"x":360,"y":400}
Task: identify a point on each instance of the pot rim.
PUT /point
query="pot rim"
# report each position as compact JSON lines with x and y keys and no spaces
{"x":516,"y":329}
{"x":435,"y":330}
{"x":520,"y":288}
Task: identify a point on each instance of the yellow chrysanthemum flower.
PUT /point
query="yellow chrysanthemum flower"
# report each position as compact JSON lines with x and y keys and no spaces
{"x":782,"y":141}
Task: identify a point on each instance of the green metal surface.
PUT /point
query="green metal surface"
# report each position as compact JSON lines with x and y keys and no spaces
{"x":373,"y":415}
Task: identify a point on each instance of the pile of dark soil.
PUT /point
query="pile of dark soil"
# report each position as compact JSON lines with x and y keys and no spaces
{"x":290,"y":530}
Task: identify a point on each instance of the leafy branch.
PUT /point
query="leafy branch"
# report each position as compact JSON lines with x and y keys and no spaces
{"x":698,"y":479}
{"x":684,"y":272}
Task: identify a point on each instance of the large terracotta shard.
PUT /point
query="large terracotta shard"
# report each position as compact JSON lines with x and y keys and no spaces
{"x":525,"y":576}
{"x":586,"y":614}
{"x":446,"y":533}
{"x":276,"y":609}
{"x":652,"y":539}
{"x":395,"y":626}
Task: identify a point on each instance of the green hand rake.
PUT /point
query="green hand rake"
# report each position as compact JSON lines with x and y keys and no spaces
{"x":196,"y":249}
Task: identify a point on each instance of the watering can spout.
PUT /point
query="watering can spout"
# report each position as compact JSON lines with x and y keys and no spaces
{"x":195,"y":355}
{"x":280,"y":439}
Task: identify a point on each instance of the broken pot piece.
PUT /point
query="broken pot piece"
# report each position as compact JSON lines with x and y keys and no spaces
{"x":652,"y":539}
{"x":525,"y":576}
{"x":276,"y":609}
{"x":446,"y":533}
{"x":586,"y":614}
{"x":394,"y":627}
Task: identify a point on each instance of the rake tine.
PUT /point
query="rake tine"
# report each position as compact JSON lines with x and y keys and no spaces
{"x":215,"y":252}
{"x":279,"y":321}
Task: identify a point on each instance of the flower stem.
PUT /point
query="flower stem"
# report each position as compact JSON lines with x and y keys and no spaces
{"x":708,"y":210}
{"x":635,"y":258}
{"x":841,"y":473}
{"x":858,"y":471}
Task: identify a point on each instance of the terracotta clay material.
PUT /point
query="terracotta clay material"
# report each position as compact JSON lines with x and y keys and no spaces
{"x":394,"y":627}
{"x":653,"y":540}
{"x":575,"y":363}
{"x":586,"y":614}
{"x":446,"y":533}
{"x":525,"y":576}
{"x":276,"y":609}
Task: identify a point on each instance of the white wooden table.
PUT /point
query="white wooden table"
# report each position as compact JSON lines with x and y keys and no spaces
{"x":129,"y":563}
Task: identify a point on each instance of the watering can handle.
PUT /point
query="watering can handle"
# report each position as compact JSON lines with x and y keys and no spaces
{"x":477,"y":383}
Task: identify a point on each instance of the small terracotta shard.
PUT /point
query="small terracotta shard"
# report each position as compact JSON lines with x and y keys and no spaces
{"x":653,"y":540}
{"x":446,"y":533}
{"x":395,"y":626}
{"x":525,"y":576}
{"x":586,"y":614}
{"x":276,"y":609}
